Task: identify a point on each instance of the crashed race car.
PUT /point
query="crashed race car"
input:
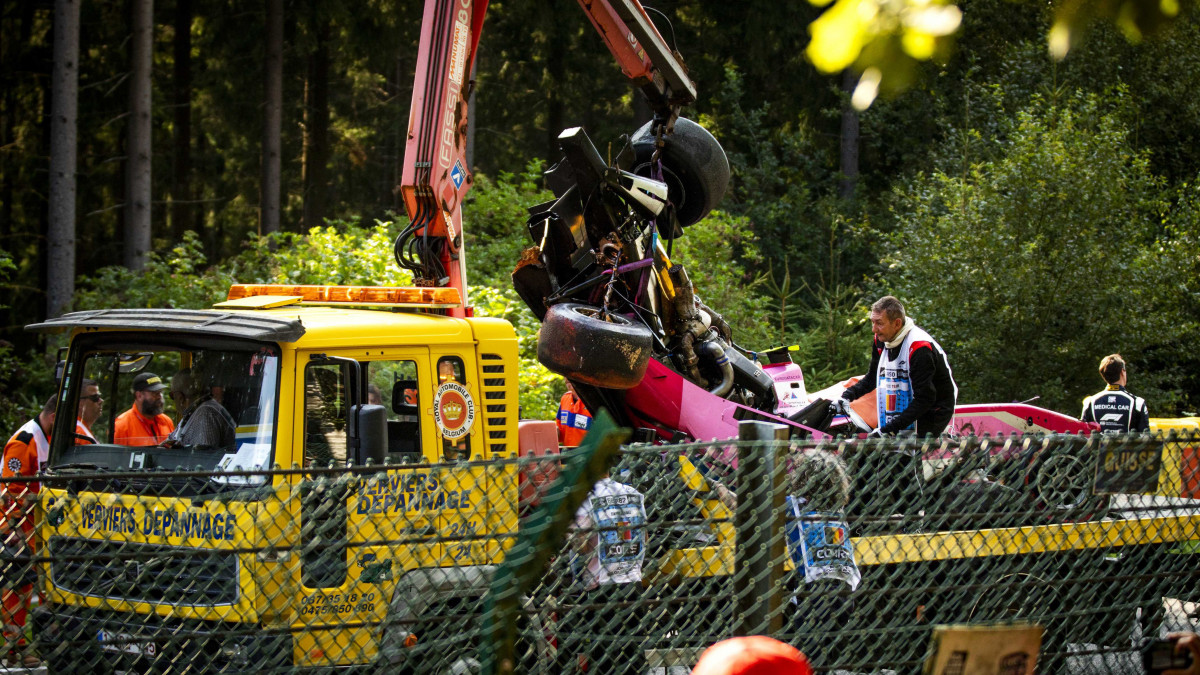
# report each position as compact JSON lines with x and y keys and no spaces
{"x":620,"y":319}
{"x":625,"y":324}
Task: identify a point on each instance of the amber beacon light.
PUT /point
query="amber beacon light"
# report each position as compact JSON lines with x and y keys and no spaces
{"x":404,"y":296}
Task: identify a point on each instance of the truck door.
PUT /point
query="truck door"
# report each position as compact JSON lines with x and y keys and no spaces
{"x":350,"y":526}
{"x":481,"y":498}
{"x":433,"y":424}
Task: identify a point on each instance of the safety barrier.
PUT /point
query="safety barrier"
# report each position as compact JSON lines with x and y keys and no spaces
{"x":851,"y":550}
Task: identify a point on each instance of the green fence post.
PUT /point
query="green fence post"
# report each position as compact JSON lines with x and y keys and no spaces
{"x":759,"y":521}
{"x":541,"y":535}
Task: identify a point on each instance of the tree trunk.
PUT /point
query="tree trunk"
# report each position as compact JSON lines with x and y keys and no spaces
{"x":181,"y":189}
{"x":849,"y":140}
{"x":60,"y":272}
{"x":268,"y":218}
{"x":316,"y":132}
{"x":137,"y":155}
{"x":557,"y":70}
{"x":403,"y":95}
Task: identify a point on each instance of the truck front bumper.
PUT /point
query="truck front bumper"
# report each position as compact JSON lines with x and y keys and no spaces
{"x":80,"y":640}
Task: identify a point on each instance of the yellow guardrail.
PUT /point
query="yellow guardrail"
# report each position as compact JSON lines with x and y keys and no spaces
{"x":1023,"y":540}
{"x":960,"y":545}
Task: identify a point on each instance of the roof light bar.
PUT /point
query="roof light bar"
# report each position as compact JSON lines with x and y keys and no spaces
{"x":404,"y":296}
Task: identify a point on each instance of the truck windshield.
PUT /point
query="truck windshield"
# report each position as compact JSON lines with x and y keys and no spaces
{"x":195,"y":405}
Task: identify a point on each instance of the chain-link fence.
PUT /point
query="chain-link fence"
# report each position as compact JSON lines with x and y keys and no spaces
{"x":851,"y":550}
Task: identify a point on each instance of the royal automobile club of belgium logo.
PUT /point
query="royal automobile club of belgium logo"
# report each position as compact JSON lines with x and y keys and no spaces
{"x":453,"y":410}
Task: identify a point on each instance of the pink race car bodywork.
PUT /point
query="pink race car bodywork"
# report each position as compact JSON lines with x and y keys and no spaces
{"x":665,"y":400}
{"x":995,"y":419}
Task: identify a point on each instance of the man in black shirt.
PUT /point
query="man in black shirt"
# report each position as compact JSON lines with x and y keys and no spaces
{"x":202,"y":419}
{"x":909,"y":369}
{"x":1114,"y":409}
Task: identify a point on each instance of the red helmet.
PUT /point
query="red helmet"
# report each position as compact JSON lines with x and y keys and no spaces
{"x":754,"y":655}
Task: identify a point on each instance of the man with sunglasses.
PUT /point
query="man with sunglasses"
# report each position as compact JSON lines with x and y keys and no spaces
{"x":91,"y":404}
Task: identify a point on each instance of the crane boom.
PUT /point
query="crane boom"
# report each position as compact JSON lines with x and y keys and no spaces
{"x":642,"y":53}
{"x":436,"y":175}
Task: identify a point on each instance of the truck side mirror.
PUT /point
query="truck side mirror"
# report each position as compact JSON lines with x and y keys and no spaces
{"x":368,"y":433}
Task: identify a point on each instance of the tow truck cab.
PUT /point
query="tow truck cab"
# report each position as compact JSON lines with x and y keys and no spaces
{"x":311,"y":565}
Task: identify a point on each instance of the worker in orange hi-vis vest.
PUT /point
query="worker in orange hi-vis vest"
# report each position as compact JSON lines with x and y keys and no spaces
{"x":144,"y":423}
{"x":25,"y":454}
{"x":91,"y":404}
{"x":574,"y":419}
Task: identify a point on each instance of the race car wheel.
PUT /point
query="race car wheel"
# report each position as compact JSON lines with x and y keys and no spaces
{"x":609,"y":351}
{"x":1062,"y":486}
{"x":695,"y":168}
{"x":1060,"y":482}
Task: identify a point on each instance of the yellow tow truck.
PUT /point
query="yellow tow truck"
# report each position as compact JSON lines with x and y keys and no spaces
{"x":311,"y":566}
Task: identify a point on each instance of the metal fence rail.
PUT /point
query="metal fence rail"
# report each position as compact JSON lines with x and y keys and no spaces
{"x":853,"y":551}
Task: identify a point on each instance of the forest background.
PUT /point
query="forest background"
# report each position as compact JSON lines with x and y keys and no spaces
{"x":1034,"y":215}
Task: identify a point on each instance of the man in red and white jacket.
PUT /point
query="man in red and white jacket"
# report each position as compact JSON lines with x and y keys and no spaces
{"x":916,"y":389}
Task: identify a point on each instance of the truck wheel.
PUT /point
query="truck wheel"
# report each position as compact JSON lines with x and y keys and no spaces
{"x":1029,"y":598}
{"x":695,"y":168}
{"x":610,"y":352}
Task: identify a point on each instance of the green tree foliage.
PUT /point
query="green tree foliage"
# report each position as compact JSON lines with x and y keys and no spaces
{"x":882,"y":40}
{"x":24,"y":383}
{"x":1031,"y":267}
{"x":713,"y":252}
{"x":1002,"y":63}
{"x":178,"y":278}
{"x":542,"y":68}
{"x":834,"y":344}
{"x":342,"y":253}
{"x":494,"y":217}
{"x":783,"y":186}
{"x":1177,"y":250}
{"x":540,"y":388}
{"x":348,"y":253}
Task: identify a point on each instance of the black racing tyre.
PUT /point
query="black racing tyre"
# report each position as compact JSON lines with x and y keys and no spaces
{"x":695,"y":168}
{"x":576,"y":343}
